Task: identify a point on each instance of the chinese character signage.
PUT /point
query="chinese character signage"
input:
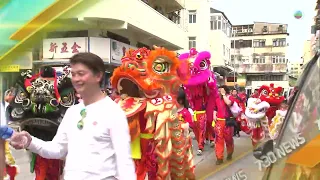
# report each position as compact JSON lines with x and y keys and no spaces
{"x":9,"y":68}
{"x":118,"y":50}
{"x":64,"y":48}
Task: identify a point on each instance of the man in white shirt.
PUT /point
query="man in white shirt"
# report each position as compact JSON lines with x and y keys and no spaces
{"x":94,"y":134}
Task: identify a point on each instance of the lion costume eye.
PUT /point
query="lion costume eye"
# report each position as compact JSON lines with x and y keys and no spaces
{"x":139,"y":56}
{"x":203,"y":65}
{"x":161,"y":67}
{"x":264,"y":92}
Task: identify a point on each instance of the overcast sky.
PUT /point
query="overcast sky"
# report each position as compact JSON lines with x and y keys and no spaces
{"x":276,"y":11}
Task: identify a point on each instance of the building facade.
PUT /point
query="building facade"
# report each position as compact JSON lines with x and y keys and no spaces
{"x":220,"y":33}
{"x":295,"y":69}
{"x":307,"y":52}
{"x":258,"y":53}
{"x":208,"y":30}
{"x":107,"y":28}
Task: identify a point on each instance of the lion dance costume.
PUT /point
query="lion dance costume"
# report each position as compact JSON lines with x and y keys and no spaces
{"x":147,"y":82}
{"x":271,"y":95}
{"x":261,"y":113}
{"x":201,"y":90}
{"x":37,"y":104}
{"x":257,"y":120}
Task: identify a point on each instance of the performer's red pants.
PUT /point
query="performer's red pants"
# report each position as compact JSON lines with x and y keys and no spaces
{"x":257,"y":136}
{"x":148,"y":161}
{"x":200,"y":129}
{"x":209,"y":130}
{"x":47,"y":169}
{"x":224,"y":134}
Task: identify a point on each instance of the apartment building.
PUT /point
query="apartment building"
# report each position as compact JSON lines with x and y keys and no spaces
{"x":258,"y":53}
{"x":307,"y":52}
{"x":208,"y":30}
{"x":295,"y":69}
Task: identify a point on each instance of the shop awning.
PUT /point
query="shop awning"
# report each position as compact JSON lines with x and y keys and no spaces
{"x":28,"y":32}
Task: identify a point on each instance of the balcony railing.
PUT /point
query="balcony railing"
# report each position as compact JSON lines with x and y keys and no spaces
{"x":261,"y":68}
{"x":173,"y":16}
{"x":256,"y":32}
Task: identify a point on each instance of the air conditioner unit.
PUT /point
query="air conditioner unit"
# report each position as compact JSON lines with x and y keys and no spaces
{"x":280,"y":28}
{"x":264,"y":29}
{"x":250,"y":30}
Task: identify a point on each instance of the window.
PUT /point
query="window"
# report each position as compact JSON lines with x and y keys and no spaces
{"x":279,"y":60}
{"x":224,"y":25}
{"x":216,"y":22}
{"x":259,"y":43}
{"x":259,"y":60}
{"x":192,"y":42}
{"x":265,"y":78}
{"x":279,"y":42}
{"x":192,"y":16}
{"x":219,"y":23}
{"x":244,"y":59}
{"x":224,"y":50}
{"x":211,"y":25}
{"x":245,"y":43}
{"x":241,"y":43}
{"x":229,"y":29}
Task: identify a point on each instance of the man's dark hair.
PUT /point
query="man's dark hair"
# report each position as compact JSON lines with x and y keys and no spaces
{"x":92,"y":61}
{"x":225,"y":88}
{"x":235,"y":89}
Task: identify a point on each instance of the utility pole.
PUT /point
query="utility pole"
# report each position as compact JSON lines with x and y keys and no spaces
{"x":234,"y":58}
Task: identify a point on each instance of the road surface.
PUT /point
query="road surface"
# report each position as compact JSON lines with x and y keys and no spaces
{"x":205,"y":164}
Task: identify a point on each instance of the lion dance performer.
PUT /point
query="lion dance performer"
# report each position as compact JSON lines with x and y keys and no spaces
{"x":201,"y":91}
{"x":277,"y":121}
{"x":257,"y":119}
{"x":147,"y":82}
{"x":271,"y":95}
{"x":37,"y":104}
{"x":129,"y":80}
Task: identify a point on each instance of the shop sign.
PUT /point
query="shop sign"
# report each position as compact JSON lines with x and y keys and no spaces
{"x":64,"y":48}
{"x":118,"y":50}
{"x":9,"y":68}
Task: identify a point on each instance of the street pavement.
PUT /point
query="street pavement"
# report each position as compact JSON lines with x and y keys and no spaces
{"x":205,"y":164}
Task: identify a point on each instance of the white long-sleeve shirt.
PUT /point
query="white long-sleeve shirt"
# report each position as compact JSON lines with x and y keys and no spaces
{"x":100,"y":151}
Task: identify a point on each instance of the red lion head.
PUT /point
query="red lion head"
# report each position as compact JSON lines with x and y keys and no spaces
{"x":271,"y":94}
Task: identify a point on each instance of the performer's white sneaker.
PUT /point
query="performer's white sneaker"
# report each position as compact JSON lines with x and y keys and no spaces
{"x":199,"y":152}
{"x":212,"y":144}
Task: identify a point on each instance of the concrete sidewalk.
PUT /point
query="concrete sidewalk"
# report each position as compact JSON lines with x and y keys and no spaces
{"x":205,"y":164}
